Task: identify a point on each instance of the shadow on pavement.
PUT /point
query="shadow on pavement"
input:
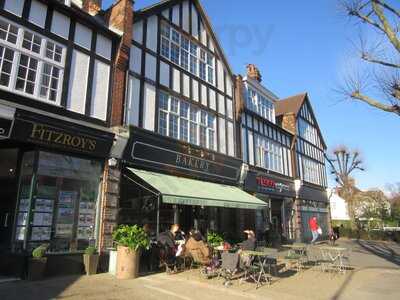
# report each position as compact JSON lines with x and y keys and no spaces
{"x":382,"y":250}
{"x":36,"y":290}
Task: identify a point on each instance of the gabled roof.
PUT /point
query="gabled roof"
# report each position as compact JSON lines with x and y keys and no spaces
{"x":290,"y":105}
{"x":164,"y":4}
{"x":293,"y":104}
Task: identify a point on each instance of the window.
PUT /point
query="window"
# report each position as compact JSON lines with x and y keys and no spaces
{"x":26,"y":76}
{"x":311,"y":170}
{"x":36,"y":62}
{"x":6,"y":60}
{"x":260,"y":105}
{"x":50,"y":79}
{"x":32,"y":42}
{"x":308,"y":132}
{"x":187,"y":54}
{"x":8,"y":32}
{"x":63,"y":204}
{"x":270,"y":155}
{"x":180,"y":120}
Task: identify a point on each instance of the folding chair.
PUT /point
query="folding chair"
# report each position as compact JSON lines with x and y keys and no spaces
{"x":229,"y":266}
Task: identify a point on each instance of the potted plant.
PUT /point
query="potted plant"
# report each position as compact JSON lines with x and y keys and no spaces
{"x":130,"y":240}
{"x":91,"y":260}
{"x":214,"y":239}
{"x":37,"y":263}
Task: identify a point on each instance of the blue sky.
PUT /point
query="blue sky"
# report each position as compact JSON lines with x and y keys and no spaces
{"x":305,"y":46}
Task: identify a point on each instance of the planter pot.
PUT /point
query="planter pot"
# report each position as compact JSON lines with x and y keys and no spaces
{"x":112,"y":264}
{"x":36,"y":268}
{"x":91,"y":262}
{"x":127,"y":263}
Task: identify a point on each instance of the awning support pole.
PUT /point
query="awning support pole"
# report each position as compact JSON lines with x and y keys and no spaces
{"x":158,"y":215}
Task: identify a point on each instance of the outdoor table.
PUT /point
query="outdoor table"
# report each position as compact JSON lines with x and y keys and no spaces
{"x":335,"y":256}
{"x":297,"y":253}
{"x":259,"y":260}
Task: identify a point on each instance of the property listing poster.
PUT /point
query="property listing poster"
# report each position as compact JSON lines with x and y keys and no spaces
{"x":65,"y":213}
{"x":87,"y":210}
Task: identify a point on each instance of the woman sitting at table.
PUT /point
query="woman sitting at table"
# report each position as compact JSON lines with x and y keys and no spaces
{"x":197,"y":248}
{"x":250,"y":243}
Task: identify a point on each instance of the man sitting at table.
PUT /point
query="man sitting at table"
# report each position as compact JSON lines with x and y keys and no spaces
{"x":250,"y":243}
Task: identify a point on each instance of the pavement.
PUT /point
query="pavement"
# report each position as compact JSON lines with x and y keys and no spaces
{"x":376,"y":275}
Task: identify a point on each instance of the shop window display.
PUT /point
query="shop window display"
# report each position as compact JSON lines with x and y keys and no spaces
{"x":58,"y":199}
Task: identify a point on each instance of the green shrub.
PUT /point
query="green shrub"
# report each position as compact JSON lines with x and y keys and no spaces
{"x":91,"y":250}
{"x":133,"y":237}
{"x":214,"y":239}
{"x":40,"y":251}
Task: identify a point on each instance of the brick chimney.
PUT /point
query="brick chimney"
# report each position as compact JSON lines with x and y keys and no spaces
{"x":92,"y":7}
{"x":289,"y":122}
{"x":239,"y":108}
{"x":120,"y":17}
{"x":253,"y":72}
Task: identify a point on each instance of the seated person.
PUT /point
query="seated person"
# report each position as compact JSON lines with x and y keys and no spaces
{"x":250,"y":243}
{"x":167,"y":240}
{"x":196,"y":244}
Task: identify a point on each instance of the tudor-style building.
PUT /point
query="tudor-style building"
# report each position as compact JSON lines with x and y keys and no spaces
{"x":56,"y":70}
{"x":266,"y":148}
{"x":296,"y":115}
{"x":179,"y":109}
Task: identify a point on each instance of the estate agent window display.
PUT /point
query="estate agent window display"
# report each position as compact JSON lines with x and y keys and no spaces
{"x":58,"y":202}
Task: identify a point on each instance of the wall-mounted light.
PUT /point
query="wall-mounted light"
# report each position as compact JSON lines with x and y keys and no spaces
{"x":297,"y":186}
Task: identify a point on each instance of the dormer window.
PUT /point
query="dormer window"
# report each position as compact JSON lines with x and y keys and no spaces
{"x":261,"y":105}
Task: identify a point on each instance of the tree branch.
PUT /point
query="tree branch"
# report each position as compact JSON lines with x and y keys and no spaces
{"x":389,"y":8}
{"x":388,"y":108}
{"x":387,"y":29}
{"x":367,"y":58}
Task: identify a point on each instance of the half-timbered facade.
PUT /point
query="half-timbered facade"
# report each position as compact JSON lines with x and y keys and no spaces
{"x":56,"y":72}
{"x":179,"y":108}
{"x":267,"y":149}
{"x":296,"y":115}
{"x":180,"y":84}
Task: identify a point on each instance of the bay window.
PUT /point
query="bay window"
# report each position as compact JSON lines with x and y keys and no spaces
{"x":260,"y":105}
{"x":30,"y":64}
{"x":270,"y":155}
{"x":180,"y":50}
{"x":180,"y":120}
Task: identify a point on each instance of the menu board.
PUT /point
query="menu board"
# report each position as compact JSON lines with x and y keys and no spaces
{"x":40,"y":233}
{"x":65,"y":213}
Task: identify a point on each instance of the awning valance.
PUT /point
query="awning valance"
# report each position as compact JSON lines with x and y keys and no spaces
{"x":185,"y":191}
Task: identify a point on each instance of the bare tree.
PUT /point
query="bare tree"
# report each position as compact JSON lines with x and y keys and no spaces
{"x":344,"y":163}
{"x":379,"y":85}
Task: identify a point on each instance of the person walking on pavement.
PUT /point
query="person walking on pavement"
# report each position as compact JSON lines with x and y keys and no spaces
{"x":314,"y":227}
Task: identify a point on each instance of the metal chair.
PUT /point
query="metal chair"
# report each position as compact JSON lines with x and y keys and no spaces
{"x":229,"y":266}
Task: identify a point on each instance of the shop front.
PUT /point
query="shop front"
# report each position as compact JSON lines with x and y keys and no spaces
{"x":51,"y":173}
{"x":276,"y":223}
{"x":165,"y":181}
{"x":313,"y":202}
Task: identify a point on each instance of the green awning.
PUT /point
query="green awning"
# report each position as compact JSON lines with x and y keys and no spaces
{"x":184,"y":191}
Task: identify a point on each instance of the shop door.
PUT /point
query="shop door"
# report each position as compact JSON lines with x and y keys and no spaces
{"x":8,"y":195}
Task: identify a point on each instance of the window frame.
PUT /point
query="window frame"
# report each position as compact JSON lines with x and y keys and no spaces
{"x":193,"y":118}
{"x":19,"y":50}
